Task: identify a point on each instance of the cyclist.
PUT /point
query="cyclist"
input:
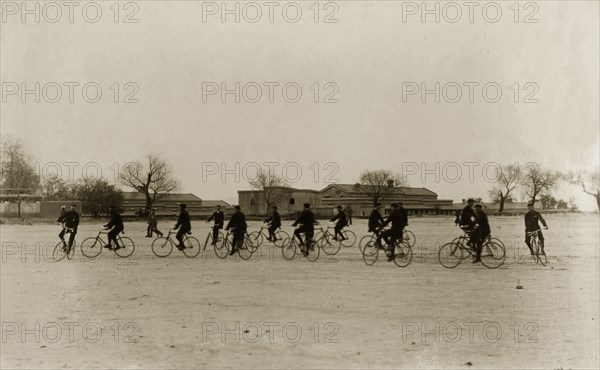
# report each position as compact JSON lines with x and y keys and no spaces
{"x":398,"y":221}
{"x":274,"y":223}
{"x":468,"y":219}
{"x":531,"y":224}
{"x":341,"y":223}
{"x":70,"y":221}
{"x":219,"y":217}
{"x":375,"y":219}
{"x":114,"y":227}
{"x":239,"y":226}
{"x":307,"y":222}
{"x":481,"y":231}
{"x":183,"y":224}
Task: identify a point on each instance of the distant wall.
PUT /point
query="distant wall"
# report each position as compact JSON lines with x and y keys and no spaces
{"x":51,"y":208}
{"x":28,"y":208}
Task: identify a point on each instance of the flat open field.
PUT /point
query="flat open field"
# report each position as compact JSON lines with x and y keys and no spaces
{"x":176,"y":312}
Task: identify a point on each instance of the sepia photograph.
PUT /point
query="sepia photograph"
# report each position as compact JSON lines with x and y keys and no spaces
{"x":306,"y":184}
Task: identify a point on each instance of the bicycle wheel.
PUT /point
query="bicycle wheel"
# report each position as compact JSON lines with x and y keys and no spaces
{"x":71,"y":251}
{"x":313,"y":251}
{"x":403,"y":255}
{"x":251,"y":244}
{"x":222,"y":249}
{"x":256,"y":238}
{"x":288,"y":249}
{"x":539,"y":257}
{"x":245,"y":250}
{"x":492,"y":255}
{"x":496,"y":240}
{"x":91,"y":247}
{"x":280,"y":236}
{"x":126,"y":247}
{"x":59,"y":253}
{"x":162,"y":247}
{"x":192,"y":247}
{"x":370,"y":253}
{"x":450,"y":255}
{"x":330,"y":247}
{"x":364,"y":240}
{"x":350,"y":238}
{"x":410,"y":238}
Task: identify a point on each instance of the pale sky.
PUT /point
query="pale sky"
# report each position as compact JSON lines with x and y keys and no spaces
{"x":371,"y":55}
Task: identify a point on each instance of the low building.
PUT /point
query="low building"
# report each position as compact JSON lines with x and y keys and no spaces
{"x":167,"y":206}
{"x":289,"y":201}
{"x":417,"y":201}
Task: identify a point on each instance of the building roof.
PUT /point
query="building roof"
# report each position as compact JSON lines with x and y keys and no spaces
{"x":175,"y":197}
{"x":214,"y":203}
{"x":400,"y":190}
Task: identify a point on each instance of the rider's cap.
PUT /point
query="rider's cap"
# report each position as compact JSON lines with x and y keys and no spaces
{"x":73,"y":205}
{"x":339,"y":207}
{"x":237,"y":208}
{"x":530,"y":204}
{"x":478,"y":205}
{"x":470,"y":200}
{"x":183,"y":205}
{"x":306,"y":205}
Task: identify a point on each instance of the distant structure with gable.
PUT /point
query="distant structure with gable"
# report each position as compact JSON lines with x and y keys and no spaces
{"x":134,"y":202}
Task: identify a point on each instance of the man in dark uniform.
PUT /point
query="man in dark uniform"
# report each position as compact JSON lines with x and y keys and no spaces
{"x":531,"y":224}
{"x":341,"y":223}
{"x":481,"y":232}
{"x":274,"y":223}
{"x":183,"y":224}
{"x":219,"y":217}
{"x":468,"y":219}
{"x":115,"y":226}
{"x":307,"y":222}
{"x":398,"y":221}
{"x":70,"y":220}
{"x":239,"y":225}
{"x":375,"y":219}
{"x":152,"y":225}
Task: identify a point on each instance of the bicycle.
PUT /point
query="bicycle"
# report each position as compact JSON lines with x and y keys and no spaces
{"x":245,"y":250}
{"x":62,"y":249}
{"x":291,"y":248}
{"x":536,"y":247}
{"x":321,"y":239}
{"x":402,"y":257}
{"x":258,"y":237}
{"x":453,"y":253}
{"x":407,"y":235}
{"x":210,"y":239}
{"x":92,"y":247}
{"x":163,"y":245}
{"x":349,"y":236}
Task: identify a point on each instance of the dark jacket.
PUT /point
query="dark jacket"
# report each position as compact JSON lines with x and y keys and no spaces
{"x":307,"y":219}
{"x":152,"y":219}
{"x":467,"y":217}
{"x":219,"y":217}
{"x":375,"y":220}
{"x":70,"y":219}
{"x":531,"y":221}
{"x":341,"y":219}
{"x":238,"y":221}
{"x":274,"y":220}
{"x":398,"y":221}
{"x":404,"y":214}
{"x":116,"y":222}
{"x":184,"y":221}
{"x":483,"y":226}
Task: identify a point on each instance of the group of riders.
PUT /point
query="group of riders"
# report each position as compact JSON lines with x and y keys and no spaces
{"x":472,"y":219}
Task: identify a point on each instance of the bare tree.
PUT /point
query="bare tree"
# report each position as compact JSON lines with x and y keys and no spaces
{"x":380,"y":184}
{"x":154,"y":180}
{"x":18,"y":173}
{"x":272,"y":186}
{"x":589,"y":183}
{"x":507,"y":179}
{"x":537,"y":180}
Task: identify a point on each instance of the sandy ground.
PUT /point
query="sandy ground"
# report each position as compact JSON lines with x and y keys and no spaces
{"x":147,"y":312}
